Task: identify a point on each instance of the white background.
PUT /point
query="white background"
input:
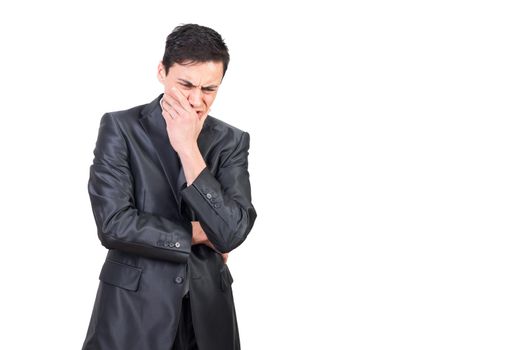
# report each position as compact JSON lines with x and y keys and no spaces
{"x":386,"y":164}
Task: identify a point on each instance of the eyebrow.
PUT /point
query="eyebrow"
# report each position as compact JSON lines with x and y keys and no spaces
{"x":190,"y":84}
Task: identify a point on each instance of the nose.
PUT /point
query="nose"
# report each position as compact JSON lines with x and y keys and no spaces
{"x":195,"y":98}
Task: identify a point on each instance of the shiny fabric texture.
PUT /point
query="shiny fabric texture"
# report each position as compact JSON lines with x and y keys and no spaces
{"x":185,"y":337}
{"x":143,"y":211}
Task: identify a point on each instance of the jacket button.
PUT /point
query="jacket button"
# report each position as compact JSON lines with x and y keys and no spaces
{"x":177,"y":244}
{"x":209,"y":195}
{"x":217,"y":205}
{"x":171,"y":244}
{"x":179,"y":279}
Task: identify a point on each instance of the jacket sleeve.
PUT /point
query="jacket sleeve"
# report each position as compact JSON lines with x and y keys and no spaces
{"x":120,"y":225}
{"x":222,"y":204}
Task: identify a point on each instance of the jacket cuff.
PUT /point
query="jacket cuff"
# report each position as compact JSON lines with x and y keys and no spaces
{"x":204,"y":195}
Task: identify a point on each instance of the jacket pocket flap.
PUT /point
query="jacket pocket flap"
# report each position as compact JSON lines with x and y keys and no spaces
{"x":120,"y":275}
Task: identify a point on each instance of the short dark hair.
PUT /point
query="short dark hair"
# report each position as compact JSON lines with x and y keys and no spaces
{"x":190,"y":43}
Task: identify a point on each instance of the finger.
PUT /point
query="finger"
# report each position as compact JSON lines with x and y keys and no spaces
{"x":225,"y":256}
{"x":173,"y":110}
{"x":167,"y":117}
{"x":169,"y":102}
{"x":201,"y":122}
{"x":181,"y":99}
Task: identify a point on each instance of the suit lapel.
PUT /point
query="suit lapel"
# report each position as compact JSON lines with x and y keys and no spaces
{"x":155,"y":126}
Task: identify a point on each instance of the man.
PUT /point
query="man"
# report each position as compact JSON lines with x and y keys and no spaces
{"x":170,"y":193}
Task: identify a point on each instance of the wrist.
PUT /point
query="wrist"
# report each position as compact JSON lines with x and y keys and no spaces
{"x":192,"y":163}
{"x":189,"y":152}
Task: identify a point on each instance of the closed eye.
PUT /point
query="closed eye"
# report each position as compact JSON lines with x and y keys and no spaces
{"x":187,"y":86}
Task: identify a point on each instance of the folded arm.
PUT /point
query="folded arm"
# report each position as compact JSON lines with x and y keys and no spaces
{"x":120,"y":225}
{"x":222,"y":204}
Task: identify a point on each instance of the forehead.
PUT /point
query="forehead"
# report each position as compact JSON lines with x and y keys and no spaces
{"x":198,"y":73}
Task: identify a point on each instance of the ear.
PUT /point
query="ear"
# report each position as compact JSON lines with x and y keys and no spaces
{"x":161,"y":73}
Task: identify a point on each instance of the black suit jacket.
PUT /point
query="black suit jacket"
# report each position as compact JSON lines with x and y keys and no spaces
{"x":143,"y":211}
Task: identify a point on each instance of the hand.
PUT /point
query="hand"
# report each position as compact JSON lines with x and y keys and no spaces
{"x":182,"y":122}
{"x":200,"y":237}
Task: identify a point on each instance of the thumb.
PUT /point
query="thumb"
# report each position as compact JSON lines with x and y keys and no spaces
{"x":201,"y":122}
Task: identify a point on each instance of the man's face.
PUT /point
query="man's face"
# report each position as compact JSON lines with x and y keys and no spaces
{"x":198,"y":82}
